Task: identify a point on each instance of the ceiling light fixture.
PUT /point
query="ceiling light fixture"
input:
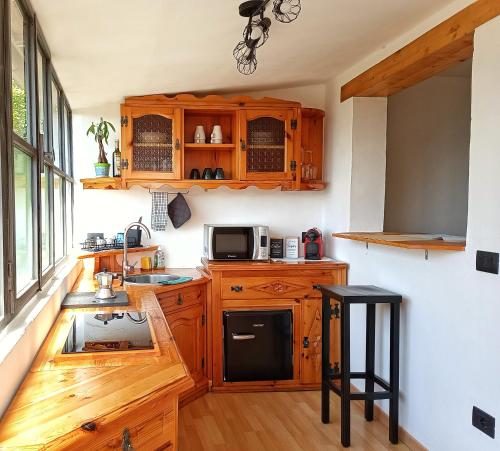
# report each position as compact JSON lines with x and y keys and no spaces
{"x":256,"y":32}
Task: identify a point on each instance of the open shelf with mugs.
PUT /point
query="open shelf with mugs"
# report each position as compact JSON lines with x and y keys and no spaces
{"x":215,"y":141}
{"x":210,"y":127}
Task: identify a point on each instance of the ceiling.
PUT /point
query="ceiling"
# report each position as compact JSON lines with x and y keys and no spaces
{"x":105,"y":50}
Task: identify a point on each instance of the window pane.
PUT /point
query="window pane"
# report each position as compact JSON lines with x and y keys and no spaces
{"x":41,"y":97}
{"x":56,"y":145}
{"x":58,"y":218}
{"x":2,"y":312}
{"x":19,"y":91}
{"x":23,"y":183}
{"x":67,"y":141}
{"x":45,"y":219}
{"x":69,"y":217}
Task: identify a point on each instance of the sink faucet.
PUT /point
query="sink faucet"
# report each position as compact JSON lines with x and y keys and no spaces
{"x":125,"y":266}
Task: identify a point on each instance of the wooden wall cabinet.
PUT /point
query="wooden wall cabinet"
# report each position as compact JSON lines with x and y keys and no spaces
{"x":151,"y":143}
{"x":267,"y":143}
{"x":185,"y":311}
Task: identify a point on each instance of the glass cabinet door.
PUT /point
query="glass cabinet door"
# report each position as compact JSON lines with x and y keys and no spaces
{"x":152,"y":146}
{"x":266,"y":144}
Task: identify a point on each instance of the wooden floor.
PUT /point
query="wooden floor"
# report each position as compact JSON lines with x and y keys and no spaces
{"x":273,"y":421}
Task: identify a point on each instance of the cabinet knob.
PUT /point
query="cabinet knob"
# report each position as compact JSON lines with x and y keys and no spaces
{"x":236,"y":288}
{"x":243,"y":144}
{"x":180,"y":301}
{"x":177,"y":144}
{"x":317,"y":287}
{"x":336,"y":311}
{"x":126,"y":443}
{"x":305,"y":342}
{"x":89,"y":427}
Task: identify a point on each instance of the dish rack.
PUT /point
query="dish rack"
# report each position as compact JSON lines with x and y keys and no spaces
{"x":91,"y":245}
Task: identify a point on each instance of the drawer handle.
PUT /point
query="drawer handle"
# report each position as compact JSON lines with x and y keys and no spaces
{"x":89,"y":427}
{"x":180,"y":301}
{"x":126,"y":443}
{"x":238,"y":337}
{"x":317,"y":287}
{"x":237,"y":288}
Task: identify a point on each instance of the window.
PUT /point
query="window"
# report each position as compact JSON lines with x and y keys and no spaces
{"x":18,"y":35}
{"x":58,"y":218}
{"x":36,"y":182}
{"x":42,"y":94}
{"x":56,"y":143}
{"x":25,"y":227}
{"x":45,"y":219}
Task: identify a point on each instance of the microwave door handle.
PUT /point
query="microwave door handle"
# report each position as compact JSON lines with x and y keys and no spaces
{"x":256,"y":243}
{"x":243,"y":337}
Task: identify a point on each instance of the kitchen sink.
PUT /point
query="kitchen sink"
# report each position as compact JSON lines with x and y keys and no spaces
{"x":149,"y":279}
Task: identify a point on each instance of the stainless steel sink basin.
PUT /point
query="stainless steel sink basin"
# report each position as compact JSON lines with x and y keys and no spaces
{"x":149,"y":279}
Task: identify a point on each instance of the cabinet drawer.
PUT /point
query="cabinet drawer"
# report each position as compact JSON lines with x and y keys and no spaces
{"x":272,"y":287}
{"x":174,"y":300}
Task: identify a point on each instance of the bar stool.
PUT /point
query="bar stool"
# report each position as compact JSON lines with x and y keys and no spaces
{"x":371,"y":296}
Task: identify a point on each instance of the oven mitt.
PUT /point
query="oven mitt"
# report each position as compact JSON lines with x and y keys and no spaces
{"x":178,"y":211}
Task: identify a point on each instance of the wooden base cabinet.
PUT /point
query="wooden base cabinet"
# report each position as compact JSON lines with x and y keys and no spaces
{"x":310,"y":356}
{"x":275,"y":286}
{"x":185,"y":311}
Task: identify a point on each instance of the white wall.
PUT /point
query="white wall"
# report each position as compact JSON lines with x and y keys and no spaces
{"x":449,"y":333}
{"x":287,"y":213}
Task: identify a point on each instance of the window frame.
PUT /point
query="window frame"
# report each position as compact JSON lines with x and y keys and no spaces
{"x":34,"y":147}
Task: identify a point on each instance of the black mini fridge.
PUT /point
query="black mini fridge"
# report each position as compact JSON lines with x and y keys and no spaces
{"x":258,"y":346}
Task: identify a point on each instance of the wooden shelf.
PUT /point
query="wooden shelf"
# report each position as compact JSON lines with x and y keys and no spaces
{"x":110,"y":183}
{"x":208,"y":146}
{"x":404,"y":241}
{"x":102,"y":183}
{"x":113,"y":252}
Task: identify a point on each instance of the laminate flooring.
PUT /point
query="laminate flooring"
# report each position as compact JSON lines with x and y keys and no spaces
{"x":274,"y":421}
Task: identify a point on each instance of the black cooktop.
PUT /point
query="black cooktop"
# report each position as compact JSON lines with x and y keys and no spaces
{"x":106,"y":332}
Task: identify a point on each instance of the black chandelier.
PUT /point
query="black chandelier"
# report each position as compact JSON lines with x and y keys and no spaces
{"x":256,"y":32}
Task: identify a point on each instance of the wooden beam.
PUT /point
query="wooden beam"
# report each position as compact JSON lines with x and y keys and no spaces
{"x":445,"y":45}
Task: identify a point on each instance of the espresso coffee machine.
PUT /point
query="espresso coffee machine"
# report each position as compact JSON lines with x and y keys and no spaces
{"x":313,"y":244}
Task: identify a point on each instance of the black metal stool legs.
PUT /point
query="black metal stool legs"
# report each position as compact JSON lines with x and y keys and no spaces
{"x":325,"y":360}
{"x":394,"y":370}
{"x":371,"y":296}
{"x":345,"y":379}
{"x":370,"y":359}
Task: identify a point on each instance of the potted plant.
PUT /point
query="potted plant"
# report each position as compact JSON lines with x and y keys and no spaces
{"x":101,"y":133}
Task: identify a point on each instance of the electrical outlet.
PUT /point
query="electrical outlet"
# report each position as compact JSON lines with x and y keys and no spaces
{"x":484,"y":422}
{"x":487,"y":262}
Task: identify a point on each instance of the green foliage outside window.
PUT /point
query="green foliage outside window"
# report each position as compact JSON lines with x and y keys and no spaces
{"x":19,"y":112}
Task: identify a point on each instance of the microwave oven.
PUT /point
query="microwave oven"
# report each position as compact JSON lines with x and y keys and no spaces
{"x":236,"y":242}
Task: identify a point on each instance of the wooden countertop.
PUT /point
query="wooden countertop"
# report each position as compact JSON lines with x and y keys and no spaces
{"x":404,"y":241}
{"x":270,"y":265}
{"x":57,"y":397}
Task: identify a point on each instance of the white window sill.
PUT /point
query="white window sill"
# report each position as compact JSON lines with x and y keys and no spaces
{"x":48,"y":301}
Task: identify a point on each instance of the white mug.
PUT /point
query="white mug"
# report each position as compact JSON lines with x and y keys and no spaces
{"x":216,"y":137}
{"x":199,"y":135}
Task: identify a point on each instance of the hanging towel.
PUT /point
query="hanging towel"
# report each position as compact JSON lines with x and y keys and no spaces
{"x":159,"y":212}
{"x":178,"y":211}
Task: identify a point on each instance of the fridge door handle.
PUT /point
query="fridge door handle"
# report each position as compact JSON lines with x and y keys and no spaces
{"x":239,"y":337}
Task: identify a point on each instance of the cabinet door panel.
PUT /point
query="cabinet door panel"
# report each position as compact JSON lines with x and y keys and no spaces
{"x":151,"y":140}
{"x":188,"y":330}
{"x":266,"y":144}
{"x":311,"y":341}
